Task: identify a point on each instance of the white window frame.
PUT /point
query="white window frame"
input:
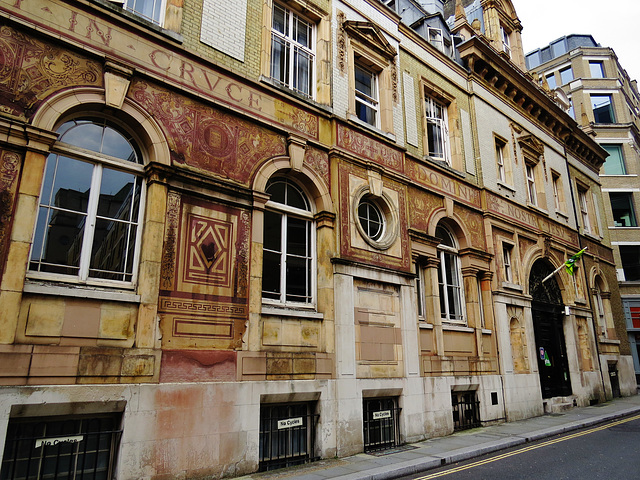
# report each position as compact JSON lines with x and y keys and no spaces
{"x":447,"y":252}
{"x":435,"y":37}
{"x":292,"y":46}
{"x":420,"y":293}
{"x":500,"y":147}
{"x":134,"y":7}
{"x":371,"y":102}
{"x":506,"y":41}
{"x":286,"y":212}
{"x":440,"y":123}
{"x":98,"y":162}
{"x":532,"y":194}
{"x":602,"y":322}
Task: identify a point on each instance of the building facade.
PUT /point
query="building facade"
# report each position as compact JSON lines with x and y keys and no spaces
{"x":242,"y":237}
{"x":605,"y":102}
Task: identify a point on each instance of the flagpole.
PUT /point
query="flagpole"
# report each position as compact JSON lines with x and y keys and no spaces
{"x":552,"y":273}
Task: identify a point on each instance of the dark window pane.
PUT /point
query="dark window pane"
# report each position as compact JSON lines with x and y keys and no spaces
{"x":271,"y":275}
{"x":630,"y":255}
{"x":71,"y":185}
{"x":87,"y":135}
{"x":116,"y":194}
{"x":116,"y":145}
{"x":602,"y":108}
{"x":63,"y":241}
{"x":280,"y":52}
{"x":272,"y":231}
{"x":614,"y":164}
{"x":297,"y":237}
{"x":297,"y":288}
{"x":622,"y":208}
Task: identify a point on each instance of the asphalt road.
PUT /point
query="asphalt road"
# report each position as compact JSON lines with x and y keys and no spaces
{"x":610,"y":451}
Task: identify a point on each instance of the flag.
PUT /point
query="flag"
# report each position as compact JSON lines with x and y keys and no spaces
{"x":571,"y":262}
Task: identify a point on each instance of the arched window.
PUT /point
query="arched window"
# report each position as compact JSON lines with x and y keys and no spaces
{"x":449,"y":277}
{"x":599,"y":301}
{"x":288,"y":261}
{"x":90,"y":208}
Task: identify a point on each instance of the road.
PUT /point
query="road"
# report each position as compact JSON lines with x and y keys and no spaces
{"x":610,"y":451}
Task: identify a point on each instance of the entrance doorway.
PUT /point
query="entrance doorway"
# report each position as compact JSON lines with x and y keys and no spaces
{"x":548,"y":315}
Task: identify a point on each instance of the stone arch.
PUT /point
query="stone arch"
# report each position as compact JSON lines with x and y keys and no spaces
{"x":453,"y":223}
{"x":310,"y":180}
{"x":92,"y":100}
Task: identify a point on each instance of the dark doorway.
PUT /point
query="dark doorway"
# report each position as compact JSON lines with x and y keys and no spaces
{"x":466,"y":410}
{"x":548,"y":316}
{"x":614,"y":379}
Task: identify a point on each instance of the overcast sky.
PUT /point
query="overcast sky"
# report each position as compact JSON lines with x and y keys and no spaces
{"x":613,"y":23}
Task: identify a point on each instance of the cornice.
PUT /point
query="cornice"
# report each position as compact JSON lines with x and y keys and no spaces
{"x":518,"y":89}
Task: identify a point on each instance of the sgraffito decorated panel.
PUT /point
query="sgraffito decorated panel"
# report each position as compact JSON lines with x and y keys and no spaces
{"x":421,"y":207}
{"x":204,"y":279}
{"x":473,"y":223}
{"x":352,"y":244}
{"x":207,"y":138}
{"x":366,"y":147}
{"x":9,"y":169}
{"x":45,"y":68}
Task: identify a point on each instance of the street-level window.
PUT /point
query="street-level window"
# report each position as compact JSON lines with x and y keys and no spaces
{"x":292,"y":52}
{"x":88,"y":226}
{"x":437,"y":130}
{"x":614,"y":164}
{"x":288,"y":262}
{"x":151,"y":10}
{"x":366,"y":89}
{"x":61,"y":448}
{"x":602,"y":108}
{"x":596,"y":68}
{"x":624,"y":214}
{"x":449,"y":277}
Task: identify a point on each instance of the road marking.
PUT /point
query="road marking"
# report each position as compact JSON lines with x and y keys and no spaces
{"x":527,"y":449}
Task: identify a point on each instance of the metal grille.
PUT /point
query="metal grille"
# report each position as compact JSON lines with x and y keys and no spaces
{"x":67,"y":449}
{"x":380,"y":423}
{"x":287,"y":435}
{"x":466,"y":410}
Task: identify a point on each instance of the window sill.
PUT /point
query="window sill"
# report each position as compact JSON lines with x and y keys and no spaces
{"x":537,"y":208}
{"x":562,"y":214}
{"x":298,"y":96}
{"x":425,"y":326}
{"x":291,"y":312}
{"x":624,"y":228}
{"x":623,"y":175}
{"x":609,"y":341}
{"x":80,"y":291}
{"x":373,"y":128}
{"x":512,"y":286}
{"x":504,"y":186}
{"x":457,"y":328}
{"x":486,"y":331}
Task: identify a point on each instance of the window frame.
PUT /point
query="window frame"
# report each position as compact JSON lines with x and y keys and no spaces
{"x":286,"y":212}
{"x":583,"y":204}
{"x":420,"y":292}
{"x":291,"y":45}
{"x":436,"y":40}
{"x":507,"y":251}
{"x":601,"y":73}
{"x":626,"y":256}
{"x":553,"y":84}
{"x":130,"y":6}
{"x":448,"y":255}
{"x":506,"y":40}
{"x":611,"y":109}
{"x":530,"y":178}
{"x":630,"y":207}
{"x":98,"y":161}
{"x":441,"y":123}
{"x":621,"y":158}
{"x":363,"y":99}
{"x":501,"y":164}
{"x":562,"y":71}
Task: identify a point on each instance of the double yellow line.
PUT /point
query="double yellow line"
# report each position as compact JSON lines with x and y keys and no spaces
{"x":527,"y":449}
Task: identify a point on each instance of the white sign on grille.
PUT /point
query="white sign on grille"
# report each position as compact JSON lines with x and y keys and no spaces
{"x":289,"y":422}
{"x":58,"y":440}
{"x":382,"y":414}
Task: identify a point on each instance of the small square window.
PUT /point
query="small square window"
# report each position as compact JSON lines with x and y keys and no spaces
{"x":630,"y":255}
{"x":622,"y":209}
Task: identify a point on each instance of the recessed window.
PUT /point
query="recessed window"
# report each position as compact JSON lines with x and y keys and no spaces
{"x":88,"y":227}
{"x":366,"y":86}
{"x":371,"y":219}
{"x":622,"y":209}
{"x":435,"y":38}
{"x":292,"y":52}
{"x":596,"y":68}
{"x":151,"y":10}
{"x":602,"y":108}
{"x":507,"y":251}
{"x":506,"y":41}
{"x":614,"y":164}
{"x":289,"y":243}
{"x":500,"y":159}
{"x":566,"y":75}
{"x":584,"y":210}
{"x":551,"y":80}
{"x":630,"y":255}
{"x":437,"y":130}
{"x":558,"y":192}
{"x":532,"y":196}
{"x":420,"y":293}
{"x":449,"y":277}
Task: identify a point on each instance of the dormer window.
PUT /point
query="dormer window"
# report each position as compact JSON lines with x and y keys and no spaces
{"x":506,"y":42}
{"x":435,"y":38}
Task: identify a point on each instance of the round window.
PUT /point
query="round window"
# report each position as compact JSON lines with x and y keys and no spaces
{"x":376,"y":220}
{"x":371,"y":219}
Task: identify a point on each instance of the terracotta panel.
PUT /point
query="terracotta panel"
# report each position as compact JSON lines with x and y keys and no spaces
{"x":14,"y":364}
{"x":81,"y":319}
{"x":54,"y":364}
{"x":254,"y":366}
{"x":45,"y":318}
{"x":197,"y":366}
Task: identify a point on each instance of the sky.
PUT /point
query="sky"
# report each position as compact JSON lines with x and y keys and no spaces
{"x":613,"y":23}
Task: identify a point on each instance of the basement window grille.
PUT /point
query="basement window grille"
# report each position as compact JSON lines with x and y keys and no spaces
{"x":380,"y":424}
{"x":466,"y":410}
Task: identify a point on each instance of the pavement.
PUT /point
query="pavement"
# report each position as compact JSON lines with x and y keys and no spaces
{"x":435,"y":452}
